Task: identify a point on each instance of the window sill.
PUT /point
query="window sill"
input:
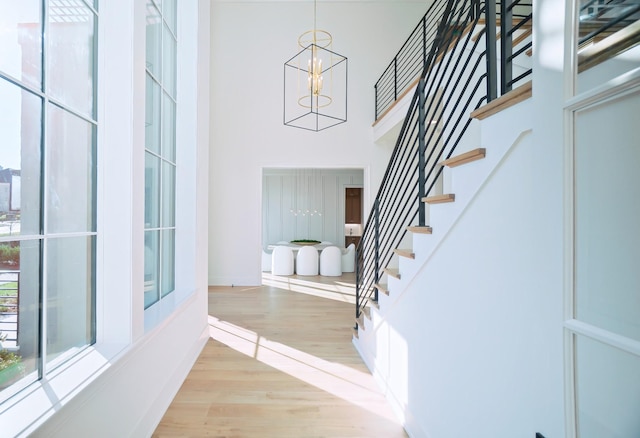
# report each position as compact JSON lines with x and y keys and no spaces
{"x":23,"y":413}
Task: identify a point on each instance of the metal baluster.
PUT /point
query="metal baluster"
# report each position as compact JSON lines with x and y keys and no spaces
{"x":376,"y":278}
{"x":395,"y":78}
{"x":421,"y":150}
{"x":358,"y":279}
{"x":506,"y":49}
{"x":492,"y":81}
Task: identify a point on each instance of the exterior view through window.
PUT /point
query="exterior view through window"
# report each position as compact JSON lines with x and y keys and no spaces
{"x":47,"y":186}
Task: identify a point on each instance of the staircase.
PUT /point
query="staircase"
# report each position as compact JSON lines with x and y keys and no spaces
{"x":459,"y":80}
{"x":441,"y":159}
{"x":453,"y":149}
{"x":403,"y":319}
{"x":464,"y":176}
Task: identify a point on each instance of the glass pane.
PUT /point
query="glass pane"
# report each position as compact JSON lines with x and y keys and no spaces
{"x":169,"y":12}
{"x":169,"y":62}
{"x":168,"y":195}
{"x":20,"y":126}
{"x":151,"y":263}
{"x":152,"y":116}
{"x":71,"y":66}
{"x":154,"y":41}
{"x":167,"y":266}
{"x":70,"y":178}
{"x":19,"y":316}
{"x":70,"y":287}
{"x":607,"y":196}
{"x":600,"y":24}
{"x":151,"y":191}
{"x":607,"y":391}
{"x":21,"y":40}
{"x":168,"y":128}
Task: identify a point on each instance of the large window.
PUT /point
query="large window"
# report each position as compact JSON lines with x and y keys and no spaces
{"x":47,"y":186}
{"x":160,"y":151}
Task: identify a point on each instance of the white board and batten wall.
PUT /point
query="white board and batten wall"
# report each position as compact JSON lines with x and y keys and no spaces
{"x":321,"y":191}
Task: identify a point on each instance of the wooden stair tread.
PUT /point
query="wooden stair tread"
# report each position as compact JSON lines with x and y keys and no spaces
{"x":467,"y":157}
{"x":392,"y":272}
{"x":526,"y":28}
{"x":382,"y":287}
{"x":355,"y":333}
{"x":515,"y":40}
{"x":374,"y":303}
{"x":439,"y":199}
{"x":367,"y":312}
{"x":420,"y":230}
{"x":405,"y":253}
{"x":514,"y":21}
{"x":360,"y":321}
{"x":458,"y":31}
{"x":513,"y":97}
{"x":520,"y":38}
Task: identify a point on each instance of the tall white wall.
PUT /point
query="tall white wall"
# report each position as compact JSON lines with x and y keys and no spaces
{"x":250,"y":43}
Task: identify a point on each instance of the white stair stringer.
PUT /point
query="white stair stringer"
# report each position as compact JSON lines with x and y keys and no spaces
{"x":466,"y":180}
{"x":376,"y":343}
{"x":384,"y":300}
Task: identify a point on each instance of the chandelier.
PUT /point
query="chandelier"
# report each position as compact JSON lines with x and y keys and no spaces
{"x":315,"y":83}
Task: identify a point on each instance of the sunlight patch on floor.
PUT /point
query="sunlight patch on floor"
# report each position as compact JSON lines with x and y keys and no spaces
{"x":317,"y":286}
{"x":339,"y":380}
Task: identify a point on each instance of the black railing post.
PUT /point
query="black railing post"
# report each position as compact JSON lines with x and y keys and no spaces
{"x":424,"y":42}
{"x":422,"y":132}
{"x":492,"y":59}
{"x":357,"y":263}
{"x":376,"y":100}
{"x":376,"y":277}
{"x":395,"y":78}
{"x":506,"y":49}
{"x":474,"y":11}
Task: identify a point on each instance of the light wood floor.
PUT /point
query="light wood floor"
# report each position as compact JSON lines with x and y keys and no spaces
{"x":280,"y":363}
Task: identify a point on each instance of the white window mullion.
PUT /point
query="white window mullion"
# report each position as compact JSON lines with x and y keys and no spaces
{"x":44,"y":159}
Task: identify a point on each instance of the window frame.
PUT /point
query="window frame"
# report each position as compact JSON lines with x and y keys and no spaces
{"x":164,"y":158}
{"x":45,"y":367}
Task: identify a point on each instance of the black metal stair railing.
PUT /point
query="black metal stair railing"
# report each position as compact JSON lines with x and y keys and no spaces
{"x":512,"y":20}
{"x":450,"y":88}
{"x":410,"y":61}
{"x":459,"y":72}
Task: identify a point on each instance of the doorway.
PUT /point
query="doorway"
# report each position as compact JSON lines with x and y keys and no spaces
{"x":352,"y":215}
